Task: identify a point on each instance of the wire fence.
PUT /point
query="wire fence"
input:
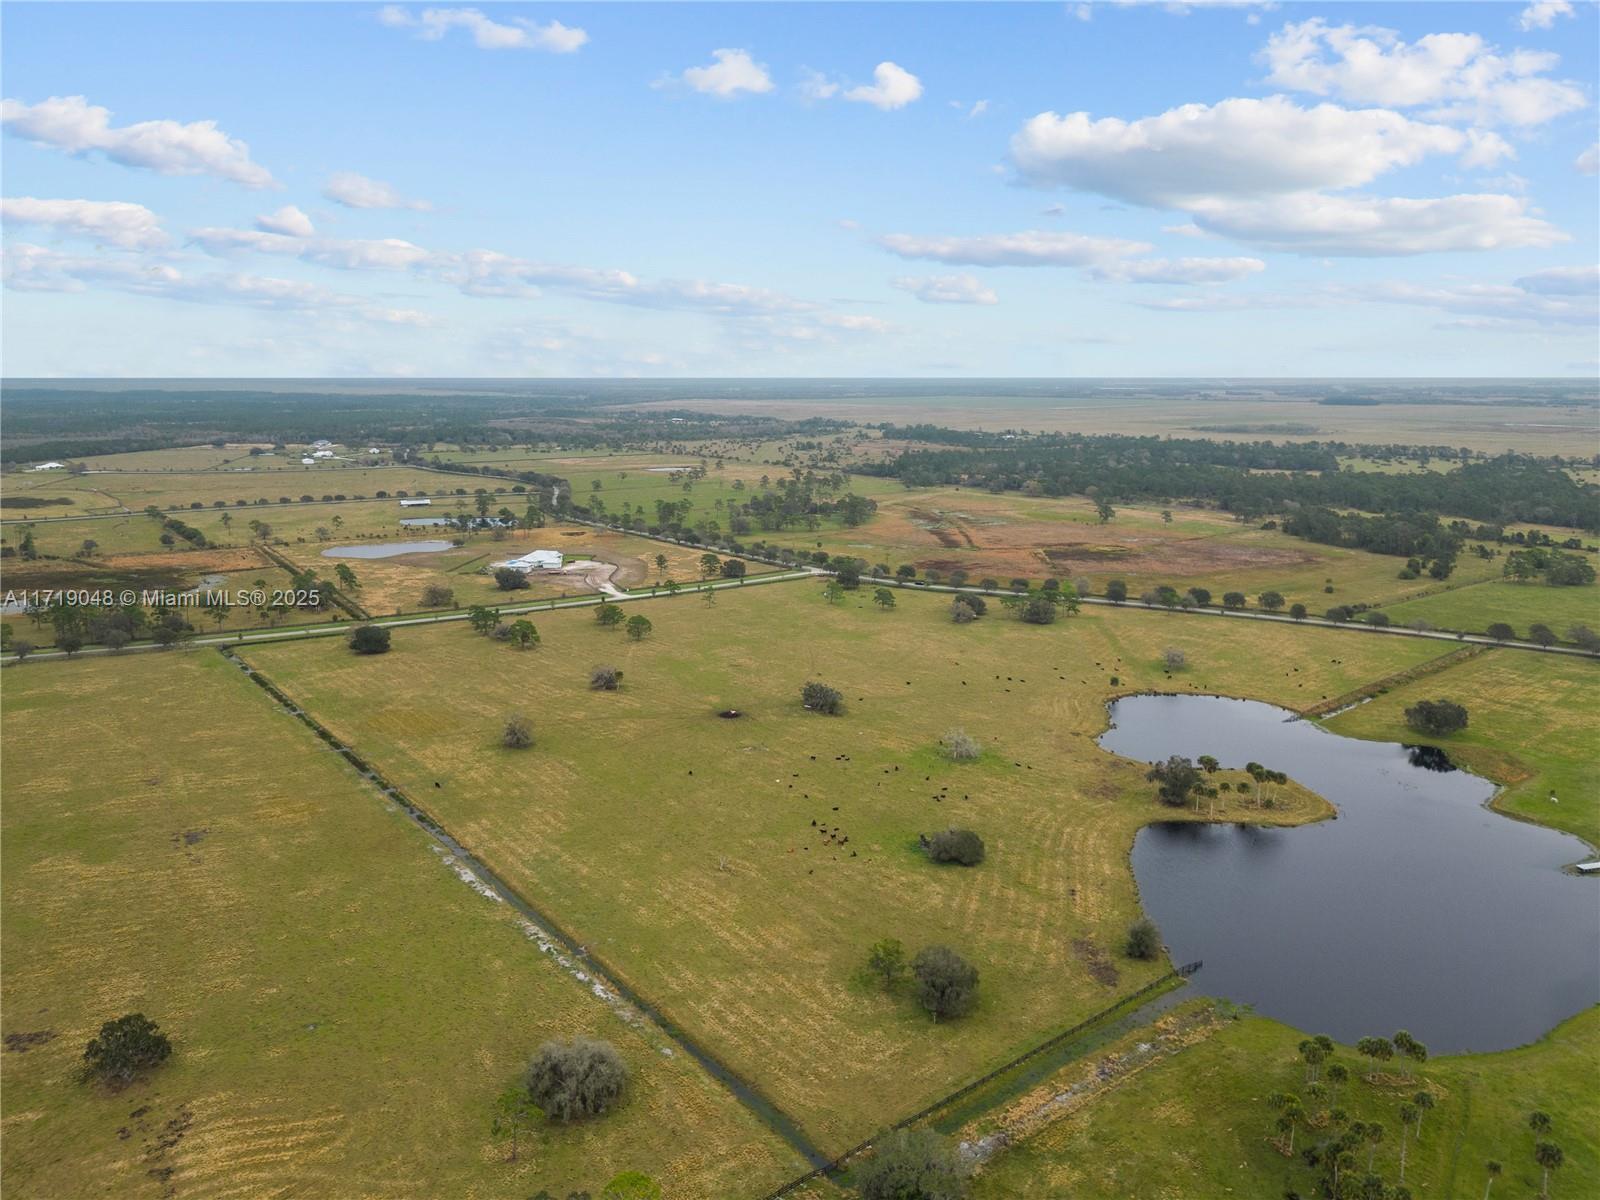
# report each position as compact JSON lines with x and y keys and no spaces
{"x":1066,"y":1035}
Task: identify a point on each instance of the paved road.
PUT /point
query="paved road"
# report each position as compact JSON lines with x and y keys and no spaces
{"x":333,"y":628}
{"x":1441,"y":635}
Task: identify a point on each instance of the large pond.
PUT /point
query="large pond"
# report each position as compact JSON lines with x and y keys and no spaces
{"x":1417,"y":908}
{"x":385,"y":549}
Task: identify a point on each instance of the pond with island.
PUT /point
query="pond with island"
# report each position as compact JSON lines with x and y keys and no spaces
{"x":1416,"y":908}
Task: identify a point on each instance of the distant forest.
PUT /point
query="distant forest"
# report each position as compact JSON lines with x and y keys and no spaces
{"x":47,"y":422}
{"x":1254,"y":479}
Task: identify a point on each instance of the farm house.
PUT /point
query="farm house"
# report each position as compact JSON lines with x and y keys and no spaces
{"x":536,"y":560}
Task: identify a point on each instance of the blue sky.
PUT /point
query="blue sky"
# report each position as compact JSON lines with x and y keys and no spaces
{"x":779,"y":189}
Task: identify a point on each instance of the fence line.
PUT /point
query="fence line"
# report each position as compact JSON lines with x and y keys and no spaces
{"x":1050,"y":1043}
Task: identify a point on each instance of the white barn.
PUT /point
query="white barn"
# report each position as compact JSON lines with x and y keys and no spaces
{"x":308,"y":462}
{"x":536,"y":560}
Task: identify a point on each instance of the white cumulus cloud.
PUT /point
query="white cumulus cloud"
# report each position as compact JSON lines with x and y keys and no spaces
{"x":288,"y":220}
{"x":893,"y":87}
{"x":1279,"y":175}
{"x":73,"y":125}
{"x":1369,"y":226}
{"x":113,"y":222}
{"x":1031,"y":248}
{"x":1457,"y":76}
{"x":1588,"y":163}
{"x":731,"y":73}
{"x":357,"y":191}
{"x":947,"y":289}
{"x":1180,"y":270}
{"x":1239,"y":147}
{"x":1542,"y":14}
{"x":522,"y":34}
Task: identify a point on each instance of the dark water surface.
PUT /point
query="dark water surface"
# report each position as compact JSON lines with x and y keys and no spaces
{"x":1418,"y":908}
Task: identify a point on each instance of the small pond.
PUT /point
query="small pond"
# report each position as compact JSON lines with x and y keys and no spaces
{"x":1417,"y":908}
{"x":386,"y":549}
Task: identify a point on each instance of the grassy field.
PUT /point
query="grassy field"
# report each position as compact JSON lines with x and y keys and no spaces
{"x":1547,"y":429}
{"x":343,"y":1008}
{"x":641,"y":479}
{"x":1012,"y":535}
{"x":1475,"y":607}
{"x":724,"y":902}
{"x":105,"y":493}
{"x":1531,"y":728}
{"x":1197,"y":1123}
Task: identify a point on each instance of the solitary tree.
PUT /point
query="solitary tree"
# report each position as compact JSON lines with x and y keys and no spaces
{"x":961,"y":746}
{"x":369,"y":639}
{"x":509,"y":579}
{"x":912,"y":1164}
{"x":605,"y":679}
{"x":883,"y":598}
{"x":524,"y":634}
{"x":1436,"y":717}
{"x":947,"y":984}
{"x":347,"y":578}
{"x":961,"y":612}
{"x":1539,"y":1122}
{"x":1174,"y":659}
{"x":1143,"y":940}
{"x":1549,"y":1157}
{"x":581,"y":1078}
{"x":661,"y":565}
{"x":1408,"y":1114}
{"x":609,"y":615}
{"x":956,"y":845}
{"x":125,"y":1047}
{"x":887,"y":959}
{"x":482,"y":619}
{"x":638,"y":626}
{"x":1492,"y":1169}
{"x":819,"y":697}
{"x":514,"y":1111}
{"x":1297,"y":612}
{"x":518,"y":733}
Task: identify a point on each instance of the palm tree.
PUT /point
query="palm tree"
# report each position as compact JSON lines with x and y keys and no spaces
{"x":1408,"y":1114}
{"x":1423,"y":1101}
{"x":1374,"y":1140}
{"x":1539,"y":1122}
{"x":1548,"y":1155}
{"x":1292,"y":1115}
{"x":1493,"y":1169}
{"x":1338,"y":1076}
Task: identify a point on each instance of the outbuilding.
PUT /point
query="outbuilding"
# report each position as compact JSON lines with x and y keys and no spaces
{"x":415,"y":503}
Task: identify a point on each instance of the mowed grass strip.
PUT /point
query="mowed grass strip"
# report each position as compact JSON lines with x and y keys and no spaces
{"x":1530,"y":729}
{"x":343,"y":1008}
{"x":1198,"y":1124}
{"x":697,"y":855}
